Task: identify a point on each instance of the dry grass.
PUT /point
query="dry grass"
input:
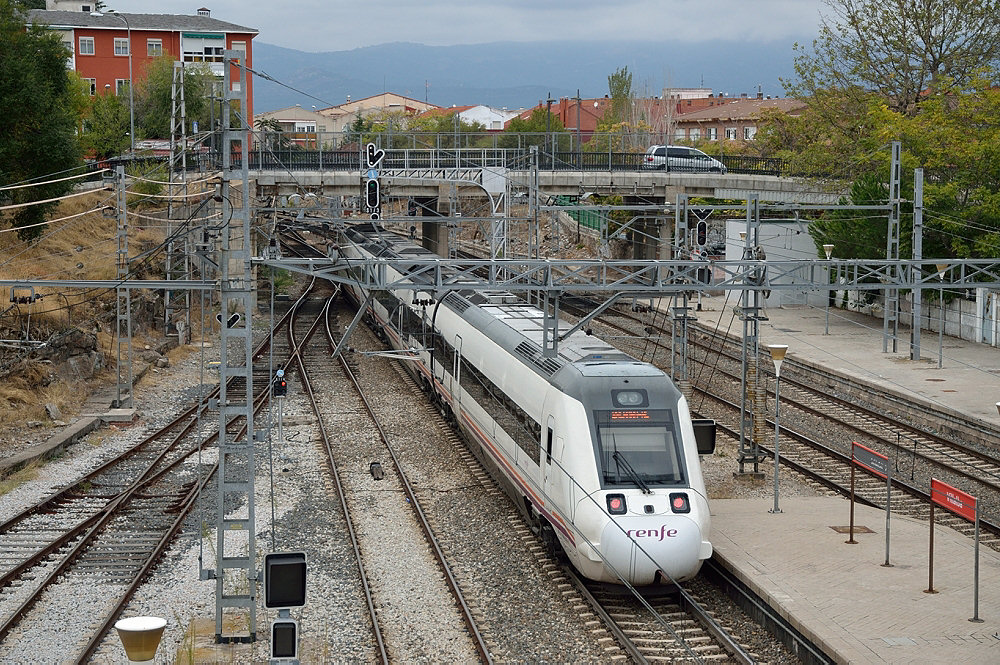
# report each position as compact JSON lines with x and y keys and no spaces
{"x":27,"y":473}
{"x":81,"y":248}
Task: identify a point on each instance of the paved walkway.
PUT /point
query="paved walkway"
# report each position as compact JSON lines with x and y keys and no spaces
{"x":968,"y":382}
{"x":843,"y":598}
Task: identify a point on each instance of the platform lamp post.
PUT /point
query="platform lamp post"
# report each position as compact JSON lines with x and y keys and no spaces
{"x":942,"y":269}
{"x":778,"y":352}
{"x":131,"y":98}
{"x":828,"y":248}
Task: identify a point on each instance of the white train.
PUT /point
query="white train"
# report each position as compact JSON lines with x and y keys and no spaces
{"x":598,"y":449}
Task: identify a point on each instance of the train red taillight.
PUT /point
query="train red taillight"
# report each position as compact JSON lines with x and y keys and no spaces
{"x":679,"y":503}
{"x":616,"y":504}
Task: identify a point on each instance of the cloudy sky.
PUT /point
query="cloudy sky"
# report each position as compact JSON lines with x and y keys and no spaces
{"x":332,"y":25}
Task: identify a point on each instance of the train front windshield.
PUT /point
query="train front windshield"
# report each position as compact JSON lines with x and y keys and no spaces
{"x":639,"y":447}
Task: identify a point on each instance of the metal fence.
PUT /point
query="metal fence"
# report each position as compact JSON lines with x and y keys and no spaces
{"x":297,"y":159}
{"x":556,"y":151}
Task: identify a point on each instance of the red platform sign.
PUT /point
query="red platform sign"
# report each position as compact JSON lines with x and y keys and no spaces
{"x":953,"y":499}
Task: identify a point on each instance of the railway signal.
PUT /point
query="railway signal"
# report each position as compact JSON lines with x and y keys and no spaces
{"x":702,"y":233}
{"x":284,"y":580}
{"x":371,"y":192}
{"x":284,"y":640}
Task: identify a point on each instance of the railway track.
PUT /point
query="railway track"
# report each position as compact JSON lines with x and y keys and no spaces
{"x":110,"y":526}
{"x":315,"y":369}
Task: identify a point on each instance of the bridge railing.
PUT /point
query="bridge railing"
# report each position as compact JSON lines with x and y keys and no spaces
{"x":291,"y":157}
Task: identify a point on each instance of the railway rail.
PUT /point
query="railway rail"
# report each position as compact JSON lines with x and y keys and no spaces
{"x":312,"y":316}
{"x":111,"y":525}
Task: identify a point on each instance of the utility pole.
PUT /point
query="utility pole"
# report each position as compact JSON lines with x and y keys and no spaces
{"x":235,"y":573}
{"x":918,"y":254}
{"x":890,"y":313}
{"x":548,"y":119}
{"x":123,"y":298}
{"x":579,"y":146}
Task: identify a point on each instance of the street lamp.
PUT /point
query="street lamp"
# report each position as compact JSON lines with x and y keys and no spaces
{"x":828,"y":248}
{"x":778,"y":352}
{"x":131,"y":103}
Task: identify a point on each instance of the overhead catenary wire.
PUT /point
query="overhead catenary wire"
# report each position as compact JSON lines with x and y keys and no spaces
{"x":49,"y":182}
{"x":14,"y":206}
{"x":51,"y":221}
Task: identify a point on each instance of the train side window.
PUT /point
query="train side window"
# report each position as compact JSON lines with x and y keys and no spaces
{"x":548,"y":446}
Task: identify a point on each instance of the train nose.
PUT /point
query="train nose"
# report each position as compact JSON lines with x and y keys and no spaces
{"x":637,"y":546}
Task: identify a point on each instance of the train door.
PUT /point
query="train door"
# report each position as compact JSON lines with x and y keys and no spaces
{"x":554,"y":480}
{"x":456,"y":377}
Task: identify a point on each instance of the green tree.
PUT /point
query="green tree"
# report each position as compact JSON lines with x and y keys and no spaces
{"x":620,"y":130}
{"x":898,"y":49}
{"x":524,"y":132}
{"x":954,"y":137}
{"x":153,"y":97}
{"x":37,"y":119}
{"x":440,"y":129}
{"x":620,"y":89}
{"x":106,"y":126}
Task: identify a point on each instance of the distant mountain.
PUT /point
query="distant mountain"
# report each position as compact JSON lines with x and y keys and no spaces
{"x":512,"y":74}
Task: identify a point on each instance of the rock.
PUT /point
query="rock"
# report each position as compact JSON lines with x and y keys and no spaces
{"x":163,"y":361}
{"x":53,"y":412}
{"x":34,"y":423}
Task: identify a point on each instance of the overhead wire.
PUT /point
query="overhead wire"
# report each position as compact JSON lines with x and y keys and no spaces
{"x":49,"y":182}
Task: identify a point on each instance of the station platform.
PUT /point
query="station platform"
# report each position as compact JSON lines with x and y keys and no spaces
{"x":967,"y":384}
{"x":842,"y":597}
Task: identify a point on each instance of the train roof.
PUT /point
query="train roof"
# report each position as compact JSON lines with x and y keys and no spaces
{"x":510,"y":322}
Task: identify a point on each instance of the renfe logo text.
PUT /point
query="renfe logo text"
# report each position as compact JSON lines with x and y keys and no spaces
{"x":652,"y":533}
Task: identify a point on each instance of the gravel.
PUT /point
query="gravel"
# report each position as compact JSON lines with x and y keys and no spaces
{"x":509,"y":587}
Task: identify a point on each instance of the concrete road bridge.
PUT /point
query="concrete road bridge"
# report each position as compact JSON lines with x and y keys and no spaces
{"x":422,"y":173}
{"x":437,"y":182}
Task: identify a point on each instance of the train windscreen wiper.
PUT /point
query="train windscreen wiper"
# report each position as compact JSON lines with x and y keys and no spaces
{"x":624,"y":464}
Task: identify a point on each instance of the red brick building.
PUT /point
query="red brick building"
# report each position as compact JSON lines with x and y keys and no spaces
{"x":101,"y":45}
{"x":735,"y":121}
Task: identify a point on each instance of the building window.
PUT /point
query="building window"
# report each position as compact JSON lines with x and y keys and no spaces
{"x":121,"y":46}
{"x":240,"y":46}
{"x":749,"y":133}
{"x":85,"y":8}
{"x":236,"y":86}
{"x":713,"y":133}
{"x":86,"y":46}
{"x":731,"y":133}
{"x":121,"y":86}
{"x":154,"y":48}
{"x":679,"y":134}
{"x":695,"y":133}
{"x":91,"y":86}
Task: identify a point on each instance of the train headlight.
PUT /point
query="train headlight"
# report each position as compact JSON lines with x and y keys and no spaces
{"x":679,"y":503}
{"x":616,"y":504}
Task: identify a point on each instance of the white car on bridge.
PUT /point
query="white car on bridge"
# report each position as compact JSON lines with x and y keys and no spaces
{"x":680,"y":158}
